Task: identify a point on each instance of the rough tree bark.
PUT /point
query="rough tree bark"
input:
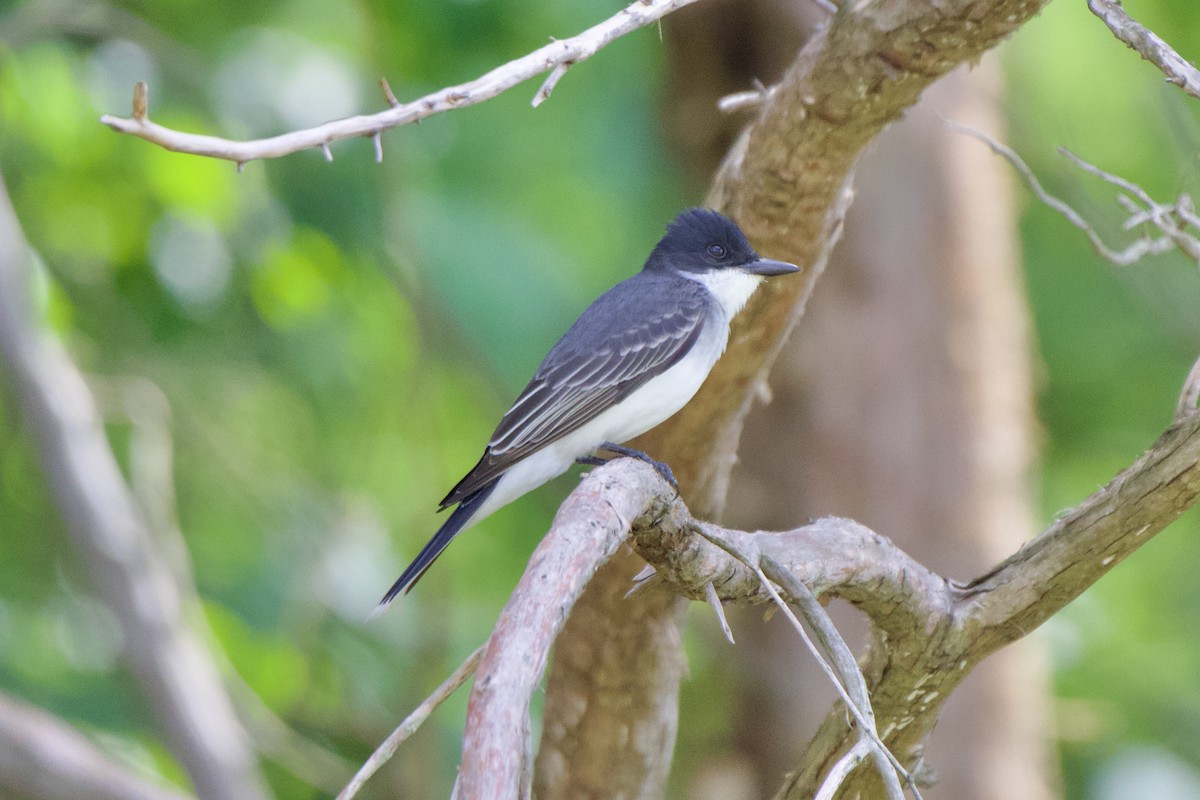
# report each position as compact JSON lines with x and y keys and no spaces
{"x":909,"y":393}
{"x":911,"y":366}
{"x":785,"y":182}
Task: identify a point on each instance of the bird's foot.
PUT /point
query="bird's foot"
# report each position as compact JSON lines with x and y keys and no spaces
{"x":661,"y":467}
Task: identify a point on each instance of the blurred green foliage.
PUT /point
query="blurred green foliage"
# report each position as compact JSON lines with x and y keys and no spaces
{"x":336,"y":341}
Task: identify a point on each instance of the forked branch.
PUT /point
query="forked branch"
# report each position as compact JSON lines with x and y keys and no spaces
{"x":930,"y":631}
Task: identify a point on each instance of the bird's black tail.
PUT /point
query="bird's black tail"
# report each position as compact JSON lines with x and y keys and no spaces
{"x":434,"y":547}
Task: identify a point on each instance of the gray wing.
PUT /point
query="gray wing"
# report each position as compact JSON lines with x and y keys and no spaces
{"x":621,"y":342}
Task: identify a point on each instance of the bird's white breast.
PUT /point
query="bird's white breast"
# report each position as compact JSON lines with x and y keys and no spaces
{"x":651,"y":404}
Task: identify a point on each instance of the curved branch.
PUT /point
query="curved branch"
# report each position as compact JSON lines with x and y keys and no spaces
{"x":555,"y":57}
{"x":587,"y":530}
{"x":1053,"y":569}
{"x":929,"y":632}
{"x":110,"y":531}
{"x":44,"y":758}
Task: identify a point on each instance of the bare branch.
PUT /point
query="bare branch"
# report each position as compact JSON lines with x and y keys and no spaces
{"x":587,"y":530}
{"x":557,"y":57}
{"x":710,"y":594}
{"x":843,"y":674}
{"x":1172,"y":219}
{"x":44,"y":758}
{"x":151,"y":460}
{"x":411,"y":723}
{"x":1148,"y":45}
{"x":842,"y":769}
{"x":739,"y":101}
{"x":1054,"y":568}
{"x":177,"y":675}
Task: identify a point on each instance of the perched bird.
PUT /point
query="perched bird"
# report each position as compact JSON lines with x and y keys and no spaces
{"x":635,"y":357}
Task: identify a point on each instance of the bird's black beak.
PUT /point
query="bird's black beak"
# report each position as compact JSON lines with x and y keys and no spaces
{"x":768,"y":268}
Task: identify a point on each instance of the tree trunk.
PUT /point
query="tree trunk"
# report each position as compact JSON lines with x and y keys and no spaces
{"x":905,"y":402}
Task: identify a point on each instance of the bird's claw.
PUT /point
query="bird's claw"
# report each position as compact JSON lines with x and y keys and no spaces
{"x":661,"y":467}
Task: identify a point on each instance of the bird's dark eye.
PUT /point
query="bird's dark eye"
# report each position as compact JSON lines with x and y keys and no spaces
{"x":716,"y":251}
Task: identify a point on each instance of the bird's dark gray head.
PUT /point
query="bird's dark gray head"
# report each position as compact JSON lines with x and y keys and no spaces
{"x":701,"y":240}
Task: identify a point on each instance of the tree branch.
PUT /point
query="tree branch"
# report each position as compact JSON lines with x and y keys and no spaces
{"x":44,"y":758}
{"x":587,"y":530}
{"x":168,"y":658}
{"x":929,"y":632}
{"x":411,"y":723}
{"x":1148,"y":45}
{"x":555,"y":57}
{"x":786,"y":181}
{"x":1175,"y":221}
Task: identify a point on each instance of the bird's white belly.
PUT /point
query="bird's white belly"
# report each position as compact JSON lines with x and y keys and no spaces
{"x":652,"y":403}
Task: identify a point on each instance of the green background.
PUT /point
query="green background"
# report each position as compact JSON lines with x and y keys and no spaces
{"x":336,"y":342}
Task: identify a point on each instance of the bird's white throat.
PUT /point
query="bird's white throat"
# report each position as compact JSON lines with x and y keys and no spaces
{"x":730,"y":287}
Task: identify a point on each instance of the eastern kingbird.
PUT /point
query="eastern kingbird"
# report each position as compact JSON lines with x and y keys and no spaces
{"x":636,"y":356}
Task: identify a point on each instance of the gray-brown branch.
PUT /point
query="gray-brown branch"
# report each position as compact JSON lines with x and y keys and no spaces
{"x":44,"y":758}
{"x":928,"y":632}
{"x":786,"y":182}
{"x":1148,"y":45}
{"x":177,"y":674}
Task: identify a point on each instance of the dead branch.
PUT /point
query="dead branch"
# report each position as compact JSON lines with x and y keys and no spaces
{"x":930,"y":632}
{"x":588,"y":528}
{"x":411,"y":723}
{"x":1175,"y":221}
{"x":555,"y":57}
{"x":170,"y":661}
{"x":146,"y":408}
{"x":44,"y":758}
{"x":1148,"y":45}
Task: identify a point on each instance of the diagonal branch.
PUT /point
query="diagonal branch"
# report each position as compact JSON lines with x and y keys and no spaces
{"x":44,"y":758}
{"x":1175,"y":221}
{"x":1148,"y":44}
{"x":555,"y":57}
{"x":110,"y":531}
{"x":411,"y":723}
{"x":929,"y":633}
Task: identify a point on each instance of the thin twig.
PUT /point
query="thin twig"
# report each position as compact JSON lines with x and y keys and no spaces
{"x":841,"y":770}
{"x":556,"y":57}
{"x":847,"y":668}
{"x":752,"y":98}
{"x":1170,"y":219}
{"x":863,"y":714}
{"x":710,"y":593}
{"x":1148,"y":44}
{"x":411,"y":723}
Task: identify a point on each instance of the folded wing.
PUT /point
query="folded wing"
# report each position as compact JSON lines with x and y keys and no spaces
{"x":614,"y":348}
